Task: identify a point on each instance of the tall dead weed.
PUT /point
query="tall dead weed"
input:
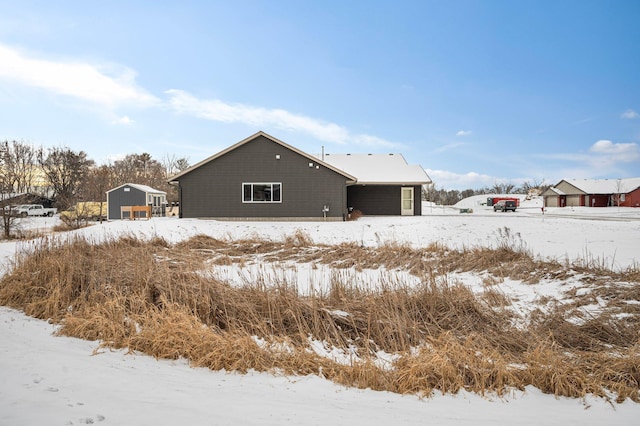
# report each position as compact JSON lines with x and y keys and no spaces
{"x":151,"y":297}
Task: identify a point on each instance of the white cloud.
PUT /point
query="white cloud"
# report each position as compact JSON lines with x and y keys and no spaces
{"x":80,"y":80}
{"x":217,"y":110}
{"x":601,"y":153}
{"x":464,"y":133}
{"x":126,"y":121}
{"x":619,"y":152}
{"x":460,"y":181}
{"x":115,"y":157}
{"x":630,"y":114}
{"x":583,"y":121}
{"x":450,"y":146}
{"x":603,"y":158}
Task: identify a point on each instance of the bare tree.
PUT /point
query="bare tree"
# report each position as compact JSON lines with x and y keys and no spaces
{"x":182,"y":164}
{"x":173,"y":165}
{"x":467,"y":193}
{"x":7,"y":182}
{"x":6,"y":213}
{"x":17,"y":176}
{"x":66,"y":171}
{"x":19,"y":164}
{"x":617,"y":197}
{"x":502,"y":188}
{"x":123,"y":171}
{"x":139,"y":168}
{"x":97,"y":183}
{"x":529,"y":187}
{"x":427,"y":192}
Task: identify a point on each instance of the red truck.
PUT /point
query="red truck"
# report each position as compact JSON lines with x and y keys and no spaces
{"x":492,"y":200}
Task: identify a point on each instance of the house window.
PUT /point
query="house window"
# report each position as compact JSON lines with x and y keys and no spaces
{"x":261,"y":192}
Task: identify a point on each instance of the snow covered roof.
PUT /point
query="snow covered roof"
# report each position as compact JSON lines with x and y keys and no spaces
{"x":139,"y":187}
{"x":379,"y":168}
{"x":556,"y":190}
{"x":605,"y":186}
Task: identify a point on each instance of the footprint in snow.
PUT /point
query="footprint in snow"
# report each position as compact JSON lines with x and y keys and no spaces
{"x":90,"y":421}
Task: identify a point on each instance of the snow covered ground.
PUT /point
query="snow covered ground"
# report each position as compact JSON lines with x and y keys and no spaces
{"x":58,"y":380}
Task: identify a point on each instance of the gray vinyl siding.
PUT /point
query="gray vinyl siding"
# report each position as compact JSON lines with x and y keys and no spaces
{"x":381,"y":200}
{"x":215,"y":188}
{"x":120,"y":197}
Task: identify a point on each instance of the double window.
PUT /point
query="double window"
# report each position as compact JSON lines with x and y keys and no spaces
{"x":262,"y":192}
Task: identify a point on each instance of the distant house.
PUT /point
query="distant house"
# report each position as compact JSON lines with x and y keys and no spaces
{"x":25,"y":198}
{"x":262,"y":177}
{"x":134,"y":195}
{"x":594,"y":193}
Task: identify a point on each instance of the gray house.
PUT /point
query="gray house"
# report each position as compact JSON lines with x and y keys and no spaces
{"x":135,"y":195}
{"x":262,"y":177}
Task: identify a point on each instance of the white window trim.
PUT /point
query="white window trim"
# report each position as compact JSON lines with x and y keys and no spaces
{"x":260,"y":183}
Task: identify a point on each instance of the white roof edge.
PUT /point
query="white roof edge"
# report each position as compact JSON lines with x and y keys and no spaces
{"x":557,"y":191}
{"x":143,"y":188}
{"x":361,"y":182}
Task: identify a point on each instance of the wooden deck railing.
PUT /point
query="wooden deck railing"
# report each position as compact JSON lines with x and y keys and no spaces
{"x":132,"y":210}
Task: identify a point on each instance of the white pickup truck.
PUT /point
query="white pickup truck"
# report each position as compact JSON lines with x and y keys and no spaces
{"x":25,"y":210}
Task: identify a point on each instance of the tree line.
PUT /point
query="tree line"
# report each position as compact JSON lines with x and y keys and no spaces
{"x":67,"y":176}
{"x":452,"y":196}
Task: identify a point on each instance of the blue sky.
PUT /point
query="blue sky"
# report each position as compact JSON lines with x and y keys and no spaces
{"x":477,"y":92}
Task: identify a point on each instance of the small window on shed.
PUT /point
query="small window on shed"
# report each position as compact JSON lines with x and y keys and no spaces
{"x":127,"y":189}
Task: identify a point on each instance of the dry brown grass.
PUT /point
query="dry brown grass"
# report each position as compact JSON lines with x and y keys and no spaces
{"x":152,"y":297}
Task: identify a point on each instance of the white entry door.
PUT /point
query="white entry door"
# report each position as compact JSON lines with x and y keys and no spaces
{"x":407,"y":201}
